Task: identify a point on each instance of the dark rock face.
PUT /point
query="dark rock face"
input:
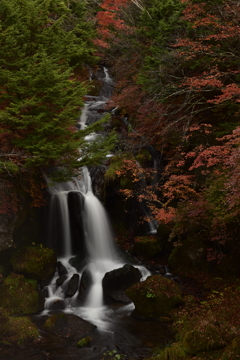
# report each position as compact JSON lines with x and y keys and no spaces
{"x":117,"y":281}
{"x":36,"y":262}
{"x":79,"y":261}
{"x":61,"y":269}
{"x":61,"y":280}
{"x":97,"y":176}
{"x":58,"y":305}
{"x":85,"y":283}
{"x":67,"y":325}
{"x":75,"y":205}
{"x":72,"y":286}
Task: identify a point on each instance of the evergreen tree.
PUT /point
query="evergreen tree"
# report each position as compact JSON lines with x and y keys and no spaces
{"x":43,"y":46}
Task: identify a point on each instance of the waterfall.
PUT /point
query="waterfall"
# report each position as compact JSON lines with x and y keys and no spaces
{"x":60,"y":202}
{"x":101,"y":250}
{"x":100,"y":253}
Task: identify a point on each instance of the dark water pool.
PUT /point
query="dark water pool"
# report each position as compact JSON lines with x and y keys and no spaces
{"x":128,"y":337}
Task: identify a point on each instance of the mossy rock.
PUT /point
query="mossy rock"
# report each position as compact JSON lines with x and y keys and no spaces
{"x":173,"y":352}
{"x":205,"y":336}
{"x":4,"y":320}
{"x":191,"y":254}
{"x":67,"y":325}
{"x":36,"y":262}
{"x":146,"y":246}
{"x":19,"y":295}
{"x":19,"y":331}
{"x":155,"y":297}
{"x":84,"y":341}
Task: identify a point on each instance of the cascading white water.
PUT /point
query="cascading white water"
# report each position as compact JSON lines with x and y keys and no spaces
{"x":61,"y":199}
{"x":101,"y":250}
{"x":98,"y":232}
{"x":102,"y":255}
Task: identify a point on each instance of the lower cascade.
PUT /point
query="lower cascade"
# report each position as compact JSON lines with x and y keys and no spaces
{"x":77,"y":284}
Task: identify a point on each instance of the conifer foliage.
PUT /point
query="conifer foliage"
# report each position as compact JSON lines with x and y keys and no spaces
{"x":43,"y":47}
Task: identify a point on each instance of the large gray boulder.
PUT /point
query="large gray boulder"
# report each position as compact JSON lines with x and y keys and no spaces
{"x":72,"y":286}
{"x":117,"y":281}
{"x":85,"y":284}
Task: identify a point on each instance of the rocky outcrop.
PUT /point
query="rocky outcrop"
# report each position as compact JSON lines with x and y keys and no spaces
{"x":72,"y":286}
{"x":67,"y":325}
{"x":61,"y":269}
{"x":117,"y":281}
{"x":85,"y":283}
{"x":75,"y":206}
{"x":18,"y":295}
{"x":17,"y":330}
{"x":155,"y":297}
{"x":35,"y":262}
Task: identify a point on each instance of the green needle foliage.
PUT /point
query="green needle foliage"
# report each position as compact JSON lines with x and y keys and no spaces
{"x":43,"y":46}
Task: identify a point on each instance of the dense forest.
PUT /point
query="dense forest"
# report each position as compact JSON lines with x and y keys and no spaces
{"x":172,"y":120}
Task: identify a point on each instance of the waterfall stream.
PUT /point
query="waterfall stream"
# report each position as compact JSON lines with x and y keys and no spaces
{"x":100,"y":254}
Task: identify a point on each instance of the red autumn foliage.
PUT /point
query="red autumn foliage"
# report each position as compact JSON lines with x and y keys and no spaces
{"x":109,"y":21}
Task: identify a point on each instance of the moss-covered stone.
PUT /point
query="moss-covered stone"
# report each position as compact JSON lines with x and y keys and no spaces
{"x":68,"y":325}
{"x":37,"y":262}
{"x":155,"y":297}
{"x":173,"y":352}
{"x":191,"y":254}
{"x":4,"y":320}
{"x":19,"y":331}
{"x":205,"y":336}
{"x":84,"y":341}
{"x":19,"y":295}
{"x":146,"y":246}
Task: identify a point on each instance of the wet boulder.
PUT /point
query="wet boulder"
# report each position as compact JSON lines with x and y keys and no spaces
{"x":61,"y":269}
{"x":35,"y":262}
{"x":85,"y":284}
{"x":67,"y":325}
{"x":75,"y":206}
{"x":79,"y":261}
{"x":154,"y":297}
{"x":117,"y":281}
{"x":57,"y":304}
{"x":61,"y":280}
{"x":72,"y":286}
